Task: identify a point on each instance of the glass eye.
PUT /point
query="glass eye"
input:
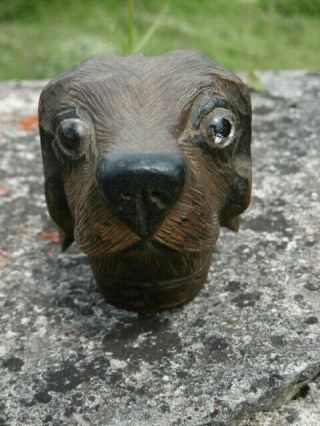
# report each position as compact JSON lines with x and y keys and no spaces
{"x":220,"y":127}
{"x":73,"y":136}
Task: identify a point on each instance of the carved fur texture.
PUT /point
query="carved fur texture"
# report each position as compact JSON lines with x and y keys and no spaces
{"x":178,"y":104}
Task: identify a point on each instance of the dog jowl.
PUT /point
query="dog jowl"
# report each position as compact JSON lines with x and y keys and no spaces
{"x":144,"y":159}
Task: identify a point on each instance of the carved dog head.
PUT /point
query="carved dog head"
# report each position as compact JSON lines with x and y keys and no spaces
{"x":144,"y":158}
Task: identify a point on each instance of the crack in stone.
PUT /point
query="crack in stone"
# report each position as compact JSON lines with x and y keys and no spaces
{"x":304,"y":388}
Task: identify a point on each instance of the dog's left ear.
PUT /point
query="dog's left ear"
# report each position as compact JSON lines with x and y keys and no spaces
{"x":54,"y":189}
{"x":240,"y":183}
{"x":239,"y":197}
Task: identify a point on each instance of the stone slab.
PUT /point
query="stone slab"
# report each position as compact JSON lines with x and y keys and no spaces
{"x":245,"y":351}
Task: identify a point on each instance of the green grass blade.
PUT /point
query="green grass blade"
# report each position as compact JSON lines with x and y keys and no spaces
{"x":130,"y":25}
{"x":152,"y":29}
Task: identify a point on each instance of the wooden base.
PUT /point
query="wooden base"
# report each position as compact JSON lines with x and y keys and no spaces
{"x":150,"y":295}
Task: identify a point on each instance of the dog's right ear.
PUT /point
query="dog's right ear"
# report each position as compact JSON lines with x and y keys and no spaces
{"x":239,"y":195}
{"x":54,"y":189}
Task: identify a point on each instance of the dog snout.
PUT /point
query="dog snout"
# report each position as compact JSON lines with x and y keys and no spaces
{"x":141,"y":188}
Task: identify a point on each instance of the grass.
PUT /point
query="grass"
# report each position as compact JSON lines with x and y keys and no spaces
{"x":40,"y":38}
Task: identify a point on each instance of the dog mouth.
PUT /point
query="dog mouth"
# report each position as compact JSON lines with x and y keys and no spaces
{"x":148,"y":263}
{"x":148,"y":246}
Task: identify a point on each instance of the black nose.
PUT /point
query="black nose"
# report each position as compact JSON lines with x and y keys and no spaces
{"x":141,"y":188}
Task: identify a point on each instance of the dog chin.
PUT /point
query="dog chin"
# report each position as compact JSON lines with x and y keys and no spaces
{"x":149,"y":281}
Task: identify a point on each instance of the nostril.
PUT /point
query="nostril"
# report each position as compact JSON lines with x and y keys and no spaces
{"x":125,"y":196}
{"x":155,"y":197}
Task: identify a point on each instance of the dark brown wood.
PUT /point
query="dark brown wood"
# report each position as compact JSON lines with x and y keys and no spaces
{"x":144,"y":159}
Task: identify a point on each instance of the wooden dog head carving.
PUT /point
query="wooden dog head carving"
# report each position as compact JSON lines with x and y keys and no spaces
{"x":144,"y":159}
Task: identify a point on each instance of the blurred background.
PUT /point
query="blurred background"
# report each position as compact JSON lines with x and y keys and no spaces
{"x":40,"y":38}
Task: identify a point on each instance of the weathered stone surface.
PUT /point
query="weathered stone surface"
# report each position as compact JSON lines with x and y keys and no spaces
{"x":236,"y":355}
